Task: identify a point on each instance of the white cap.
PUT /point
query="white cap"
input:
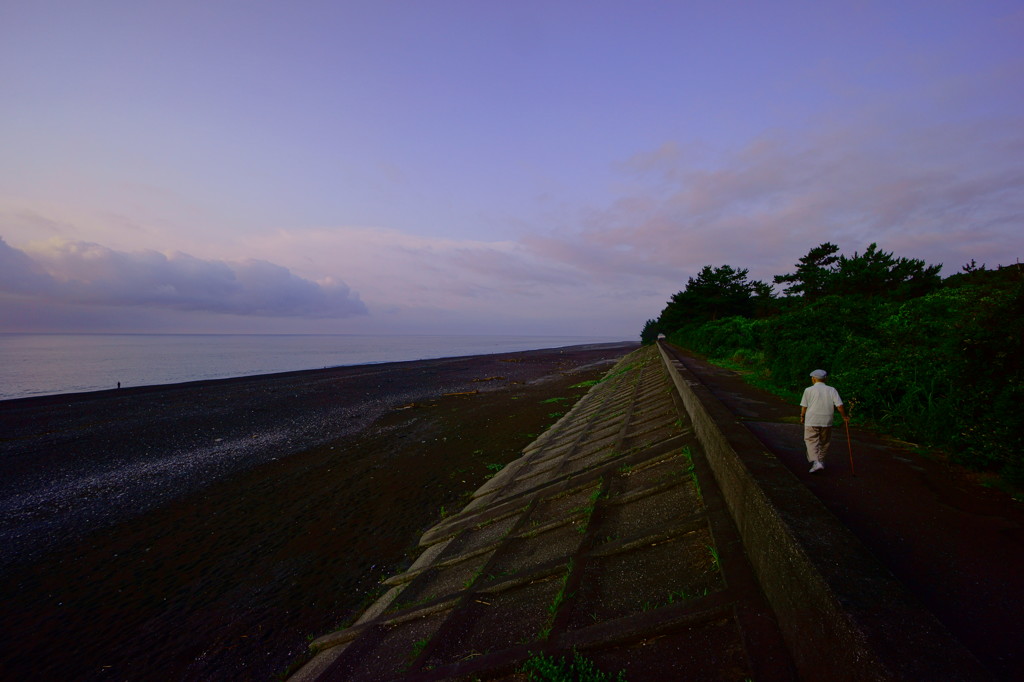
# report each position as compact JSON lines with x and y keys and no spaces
{"x":819,"y":374}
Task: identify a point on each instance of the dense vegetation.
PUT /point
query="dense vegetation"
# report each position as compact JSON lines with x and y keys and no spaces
{"x":935,"y":361}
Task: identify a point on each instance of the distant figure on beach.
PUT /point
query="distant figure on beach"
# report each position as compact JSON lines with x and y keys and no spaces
{"x":119,"y":384}
{"x":816,"y":409}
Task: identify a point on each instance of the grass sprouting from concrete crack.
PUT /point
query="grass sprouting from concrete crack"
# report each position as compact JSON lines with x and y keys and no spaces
{"x":561,"y":596}
{"x":556,"y":603}
{"x":541,"y":668}
{"x":715,"y":565}
{"x":688,"y":454}
{"x":417,"y":649}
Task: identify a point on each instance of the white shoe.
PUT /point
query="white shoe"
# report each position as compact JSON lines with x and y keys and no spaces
{"x":817,"y":466}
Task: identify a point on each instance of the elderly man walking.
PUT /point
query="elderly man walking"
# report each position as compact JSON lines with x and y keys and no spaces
{"x":816,"y":407}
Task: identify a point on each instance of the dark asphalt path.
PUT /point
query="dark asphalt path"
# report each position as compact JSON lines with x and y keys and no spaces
{"x":955,"y":545}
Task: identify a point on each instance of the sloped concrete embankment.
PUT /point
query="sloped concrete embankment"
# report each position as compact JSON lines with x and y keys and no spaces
{"x":608,"y":537}
{"x":649,"y":531}
{"x":843,"y":615}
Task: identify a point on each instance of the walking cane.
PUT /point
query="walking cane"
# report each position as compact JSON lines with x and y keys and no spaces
{"x":846,"y":422}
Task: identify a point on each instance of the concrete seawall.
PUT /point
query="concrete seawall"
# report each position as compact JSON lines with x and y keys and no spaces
{"x":649,"y":531}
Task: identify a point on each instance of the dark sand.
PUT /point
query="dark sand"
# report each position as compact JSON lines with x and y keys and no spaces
{"x":203,"y":531}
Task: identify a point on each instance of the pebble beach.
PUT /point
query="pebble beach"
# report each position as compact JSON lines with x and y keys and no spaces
{"x":207,"y":530}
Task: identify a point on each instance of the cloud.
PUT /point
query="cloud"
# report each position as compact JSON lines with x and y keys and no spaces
{"x":944,"y":193}
{"x":19,"y":274}
{"x":81,"y":273}
{"x":432,"y":284}
{"x":393,"y":267}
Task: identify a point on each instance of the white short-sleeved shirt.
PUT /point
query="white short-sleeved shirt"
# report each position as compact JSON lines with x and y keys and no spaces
{"x":821,"y":400}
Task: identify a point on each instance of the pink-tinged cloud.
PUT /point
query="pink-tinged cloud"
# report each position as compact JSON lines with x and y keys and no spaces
{"x":391,"y":267}
{"x":945,"y":194}
{"x":447,"y":285}
{"x":79,"y":273}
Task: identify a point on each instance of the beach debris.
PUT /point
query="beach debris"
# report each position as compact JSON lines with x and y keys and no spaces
{"x":461,"y":393}
{"x":491,"y":379}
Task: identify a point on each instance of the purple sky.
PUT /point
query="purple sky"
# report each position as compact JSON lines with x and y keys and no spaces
{"x":485,"y":167}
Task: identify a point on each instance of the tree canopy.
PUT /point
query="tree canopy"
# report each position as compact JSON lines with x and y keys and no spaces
{"x":715,"y":292}
{"x":933,"y":361}
{"x":874,"y":273}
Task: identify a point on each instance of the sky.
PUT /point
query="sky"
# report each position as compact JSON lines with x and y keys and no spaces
{"x":484,"y":167}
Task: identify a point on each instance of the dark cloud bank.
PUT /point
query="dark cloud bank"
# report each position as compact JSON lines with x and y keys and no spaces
{"x":83,"y":274}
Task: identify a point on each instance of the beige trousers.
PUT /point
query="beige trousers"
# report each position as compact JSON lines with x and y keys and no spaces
{"x":817,"y":439}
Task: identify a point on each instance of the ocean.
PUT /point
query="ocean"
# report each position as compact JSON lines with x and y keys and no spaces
{"x":46,"y":364}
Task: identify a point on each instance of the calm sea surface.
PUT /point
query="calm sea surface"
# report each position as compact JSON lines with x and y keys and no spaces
{"x":41,"y":364}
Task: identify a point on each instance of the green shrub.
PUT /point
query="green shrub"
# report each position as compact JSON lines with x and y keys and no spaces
{"x":945,"y":369}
